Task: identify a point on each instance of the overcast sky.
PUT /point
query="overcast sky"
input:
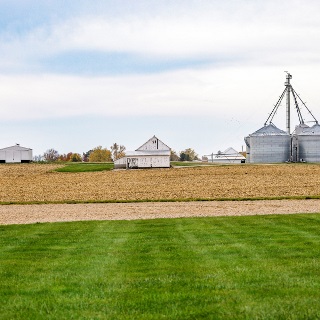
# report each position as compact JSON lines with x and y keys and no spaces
{"x":195,"y":73}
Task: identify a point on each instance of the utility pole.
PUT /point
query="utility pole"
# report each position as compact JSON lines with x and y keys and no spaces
{"x":288,"y":90}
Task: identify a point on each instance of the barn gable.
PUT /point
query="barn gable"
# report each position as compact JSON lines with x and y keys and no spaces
{"x":153,"y":144}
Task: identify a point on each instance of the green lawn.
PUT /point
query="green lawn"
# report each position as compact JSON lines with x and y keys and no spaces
{"x":85,"y":167}
{"x":255,"y":267}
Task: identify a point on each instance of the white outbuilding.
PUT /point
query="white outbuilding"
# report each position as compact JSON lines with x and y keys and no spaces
{"x":152,"y":154}
{"x":228,"y":156}
{"x":15,"y":154}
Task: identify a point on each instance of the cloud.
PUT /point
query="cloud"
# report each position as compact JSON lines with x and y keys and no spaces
{"x":232,"y":33}
{"x":240,"y":92}
{"x":223,"y":60}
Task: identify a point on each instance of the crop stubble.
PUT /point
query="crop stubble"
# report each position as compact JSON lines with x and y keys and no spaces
{"x":35,"y":182}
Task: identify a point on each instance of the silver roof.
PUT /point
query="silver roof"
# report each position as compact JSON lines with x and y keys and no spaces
{"x":269,"y":130}
{"x":230,"y":153}
{"x":299,"y":128}
{"x":314,"y":130}
{"x":142,"y":153}
{"x":17,"y":147}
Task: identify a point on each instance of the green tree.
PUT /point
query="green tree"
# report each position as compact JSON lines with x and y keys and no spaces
{"x":188,"y":155}
{"x":100,"y":155}
{"x":117,"y":151}
{"x":75,"y":157}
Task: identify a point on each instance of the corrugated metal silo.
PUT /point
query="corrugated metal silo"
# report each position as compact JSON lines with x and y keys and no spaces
{"x":295,"y":142}
{"x":247,"y":141}
{"x":309,"y":144}
{"x":269,"y":144}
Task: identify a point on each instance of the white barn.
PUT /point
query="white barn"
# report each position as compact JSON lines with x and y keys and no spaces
{"x":152,"y":154}
{"x":15,"y":154}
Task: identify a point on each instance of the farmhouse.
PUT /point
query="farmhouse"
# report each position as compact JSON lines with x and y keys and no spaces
{"x":15,"y":154}
{"x":152,"y":154}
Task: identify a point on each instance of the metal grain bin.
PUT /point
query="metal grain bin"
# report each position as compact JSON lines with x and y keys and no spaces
{"x":295,"y":143}
{"x":309,"y":144}
{"x":268,"y":145}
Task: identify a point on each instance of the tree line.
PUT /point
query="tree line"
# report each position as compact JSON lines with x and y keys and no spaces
{"x":99,"y":154}
{"x":185,"y":155}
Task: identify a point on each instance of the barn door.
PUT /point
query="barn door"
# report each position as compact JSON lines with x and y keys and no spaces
{"x":13,"y":156}
{"x":9,"y":156}
{"x":16,"y":156}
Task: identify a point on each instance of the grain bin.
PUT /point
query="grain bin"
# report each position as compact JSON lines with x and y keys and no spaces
{"x":269,"y":144}
{"x":309,"y":144}
{"x":295,"y":142}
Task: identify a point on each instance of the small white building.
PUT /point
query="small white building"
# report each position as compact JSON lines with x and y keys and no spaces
{"x":15,"y":154}
{"x":152,"y":154}
{"x":228,"y":156}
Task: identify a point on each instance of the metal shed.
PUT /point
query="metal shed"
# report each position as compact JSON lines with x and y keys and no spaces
{"x":152,"y":154}
{"x":15,"y":154}
{"x":230,"y":155}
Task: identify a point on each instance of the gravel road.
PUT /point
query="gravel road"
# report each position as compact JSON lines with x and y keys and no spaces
{"x":26,"y":214}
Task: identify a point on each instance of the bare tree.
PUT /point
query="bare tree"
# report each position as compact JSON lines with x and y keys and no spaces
{"x":38,"y":158}
{"x":51,"y":155}
{"x":117,"y":151}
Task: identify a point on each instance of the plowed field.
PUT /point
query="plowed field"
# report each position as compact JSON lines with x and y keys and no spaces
{"x":38,"y":182}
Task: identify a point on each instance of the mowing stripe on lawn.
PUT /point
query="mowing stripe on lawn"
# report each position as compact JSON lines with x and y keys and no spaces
{"x":254,"y":267}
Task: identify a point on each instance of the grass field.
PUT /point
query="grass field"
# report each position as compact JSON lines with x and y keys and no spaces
{"x":85,"y":167}
{"x":258,"y":267}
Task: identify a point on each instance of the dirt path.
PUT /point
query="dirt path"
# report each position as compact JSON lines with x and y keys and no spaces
{"x":24,"y":214}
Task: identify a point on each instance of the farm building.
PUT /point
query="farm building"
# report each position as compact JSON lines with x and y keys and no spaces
{"x":267,"y":145}
{"x":270,"y":144}
{"x":228,"y":156}
{"x":15,"y":154}
{"x":152,"y":154}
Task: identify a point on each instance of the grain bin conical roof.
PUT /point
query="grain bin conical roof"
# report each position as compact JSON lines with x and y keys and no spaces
{"x":314,"y":130}
{"x":269,"y":130}
{"x":300,"y":128}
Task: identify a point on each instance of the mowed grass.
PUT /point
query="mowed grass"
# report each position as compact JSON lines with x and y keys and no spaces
{"x":85,"y":167}
{"x":254,"y":267}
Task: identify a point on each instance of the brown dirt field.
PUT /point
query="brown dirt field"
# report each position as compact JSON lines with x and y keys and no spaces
{"x":24,"y":214}
{"x":37,"y":182}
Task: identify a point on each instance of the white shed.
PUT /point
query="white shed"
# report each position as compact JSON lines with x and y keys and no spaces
{"x":15,"y":154}
{"x":228,"y":156}
{"x":152,"y":154}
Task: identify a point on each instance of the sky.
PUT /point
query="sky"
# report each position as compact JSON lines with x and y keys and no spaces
{"x":199,"y":74}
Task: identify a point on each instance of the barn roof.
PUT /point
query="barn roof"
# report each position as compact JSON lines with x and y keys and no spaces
{"x":16,"y":147}
{"x":142,"y":153}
